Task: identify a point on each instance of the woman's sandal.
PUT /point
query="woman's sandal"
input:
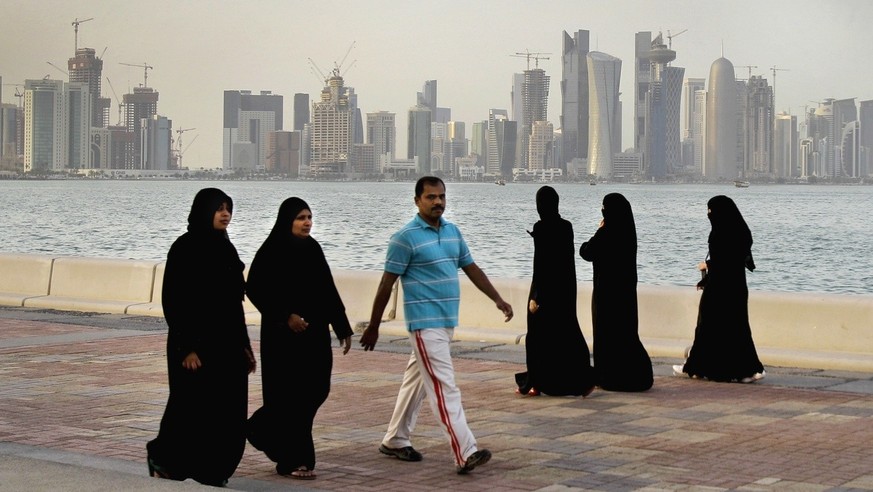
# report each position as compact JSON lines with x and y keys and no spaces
{"x":531,"y":392}
{"x":303,"y":473}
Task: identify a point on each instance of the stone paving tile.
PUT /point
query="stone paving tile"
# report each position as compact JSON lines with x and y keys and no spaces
{"x":103,"y":397}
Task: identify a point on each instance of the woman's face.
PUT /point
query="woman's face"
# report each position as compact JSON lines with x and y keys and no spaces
{"x":302,"y":224}
{"x":221,"y":218}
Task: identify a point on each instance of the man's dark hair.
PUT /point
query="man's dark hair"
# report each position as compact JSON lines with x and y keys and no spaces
{"x":427,"y":180}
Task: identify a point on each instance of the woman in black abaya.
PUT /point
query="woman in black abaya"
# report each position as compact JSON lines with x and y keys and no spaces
{"x":558,"y":360}
{"x":723,"y":349}
{"x":209,"y":357}
{"x":620,"y":360}
{"x":291,"y":285}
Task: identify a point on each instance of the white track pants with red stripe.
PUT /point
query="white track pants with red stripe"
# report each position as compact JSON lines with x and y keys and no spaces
{"x":430,"y":372}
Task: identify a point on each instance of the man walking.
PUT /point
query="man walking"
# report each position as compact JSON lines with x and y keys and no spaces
{"x":426,"y":254}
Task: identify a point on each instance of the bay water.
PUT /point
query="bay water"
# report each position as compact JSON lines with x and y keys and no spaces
{"x":808,"y":238}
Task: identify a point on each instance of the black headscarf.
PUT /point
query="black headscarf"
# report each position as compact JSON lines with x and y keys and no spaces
{"x":206,"y":203}
{"x":729,"y":229}
{"x":287,"y":213}
{"x":547,"y":203}
{"x":619,"y":220}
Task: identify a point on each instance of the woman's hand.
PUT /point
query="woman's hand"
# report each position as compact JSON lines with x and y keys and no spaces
{"x":250,"y":358}
{"x":297,"y":324}
{"x":191,"y":362}
{"x":532,"y":306}
{"x":346,"y":344}
{"x":702,"y":266}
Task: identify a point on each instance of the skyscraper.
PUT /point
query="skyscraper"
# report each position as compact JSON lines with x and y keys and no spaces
{"x":502,"y":144}
{"x":382,"y":133}
{"x":419,"y":137}
{"x":457,"y":144}
{"x":535,"y":105}
{"x":428,"y":97}
{"x":139,"y":106}
{"x":642,"y":77}
{"x":77,"y":126}
{"x":850,"y":150}
{"x":657,"y":132}
{"x":86,"y":68}
{"x":758,"y":124}
{"x":691,"y":122}
{"x":439,"y":155}
{"x":604,"y":122}
{"x":479,"y":142}
{"x":332,"y":132}
{"x":301,"y":111}
{"x":157,"y":137}
{"x":540,"y":146}
{"x":785,"y":146}
{"x":844,"y":113}
{"x":720,"y":161}
{"x":574,"y":96}
{"x":865,"y":118}
{"x":690,"y":86}
{"x":44,"y":140}
{"x":248,"y":120}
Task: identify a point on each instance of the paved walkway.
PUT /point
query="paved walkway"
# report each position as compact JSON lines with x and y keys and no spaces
{"x":80,"y":394}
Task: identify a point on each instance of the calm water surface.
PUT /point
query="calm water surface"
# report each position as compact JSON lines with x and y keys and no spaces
{"x":807,"y":238}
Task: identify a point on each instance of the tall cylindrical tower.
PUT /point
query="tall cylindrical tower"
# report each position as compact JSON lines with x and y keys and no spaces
{"x":720,"y":160}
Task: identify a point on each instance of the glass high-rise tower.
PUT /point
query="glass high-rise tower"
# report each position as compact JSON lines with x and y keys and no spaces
{"x":574,"y":96}
{"x":604,"y":75}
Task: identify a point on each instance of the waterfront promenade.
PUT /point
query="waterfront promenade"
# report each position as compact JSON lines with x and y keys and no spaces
{"x":81,"y":394}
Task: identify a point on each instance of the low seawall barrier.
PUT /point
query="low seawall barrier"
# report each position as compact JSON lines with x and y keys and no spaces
{"x":810,"y":330}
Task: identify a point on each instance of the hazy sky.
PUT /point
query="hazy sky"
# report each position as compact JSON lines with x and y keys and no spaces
{"x":199,"y":48}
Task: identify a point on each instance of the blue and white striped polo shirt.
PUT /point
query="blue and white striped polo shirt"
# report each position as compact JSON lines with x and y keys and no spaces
{"x":427,"y":261}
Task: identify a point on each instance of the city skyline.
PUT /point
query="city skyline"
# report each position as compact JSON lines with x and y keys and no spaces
{"x":200,"y":49}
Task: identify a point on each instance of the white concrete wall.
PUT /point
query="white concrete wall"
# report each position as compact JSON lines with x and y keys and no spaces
{"x":790,"y":329}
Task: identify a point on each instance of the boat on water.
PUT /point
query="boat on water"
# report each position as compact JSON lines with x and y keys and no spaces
{"x":592,"y":183}
{"x":741,"y":184}
{"x":500,"y":182}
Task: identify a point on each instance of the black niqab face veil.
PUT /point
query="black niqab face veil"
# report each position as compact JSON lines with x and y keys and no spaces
{"x":727,"y":221}
{"x":618,"y":217}
{"x":547,"y":203}
{"x":206,"y":202}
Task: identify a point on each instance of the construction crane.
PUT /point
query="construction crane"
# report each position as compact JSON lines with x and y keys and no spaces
{"x":671,"y":36}
{"x":182,"y":151}
{"x":76,"y":23}
{"x":337,"y":70}
{"x":146,"y":67}
{"x":317,"y":71}
{"x":774,"y":70}
{"x":536,"y":56}
{"x":750,"y":67}
{"x":18,"y":93}
{"x":118,"y":101}
{"x":180,"y":131}
{"x":338,"y":66}
{"x":59,"y":69}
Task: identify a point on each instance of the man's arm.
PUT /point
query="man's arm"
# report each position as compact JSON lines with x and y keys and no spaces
{"x":480,"y":280}
{"x":383,"y":294}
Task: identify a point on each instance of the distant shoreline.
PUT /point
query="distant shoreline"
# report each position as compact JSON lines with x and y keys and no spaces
{"x":219,"y":175}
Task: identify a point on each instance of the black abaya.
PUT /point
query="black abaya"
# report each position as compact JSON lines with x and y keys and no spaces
{"x":723,"y":348}
{"x":558,"y":359}
{"x":202,"y":432}
{"x":290,"y":275}
{"x":620,"y":359}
